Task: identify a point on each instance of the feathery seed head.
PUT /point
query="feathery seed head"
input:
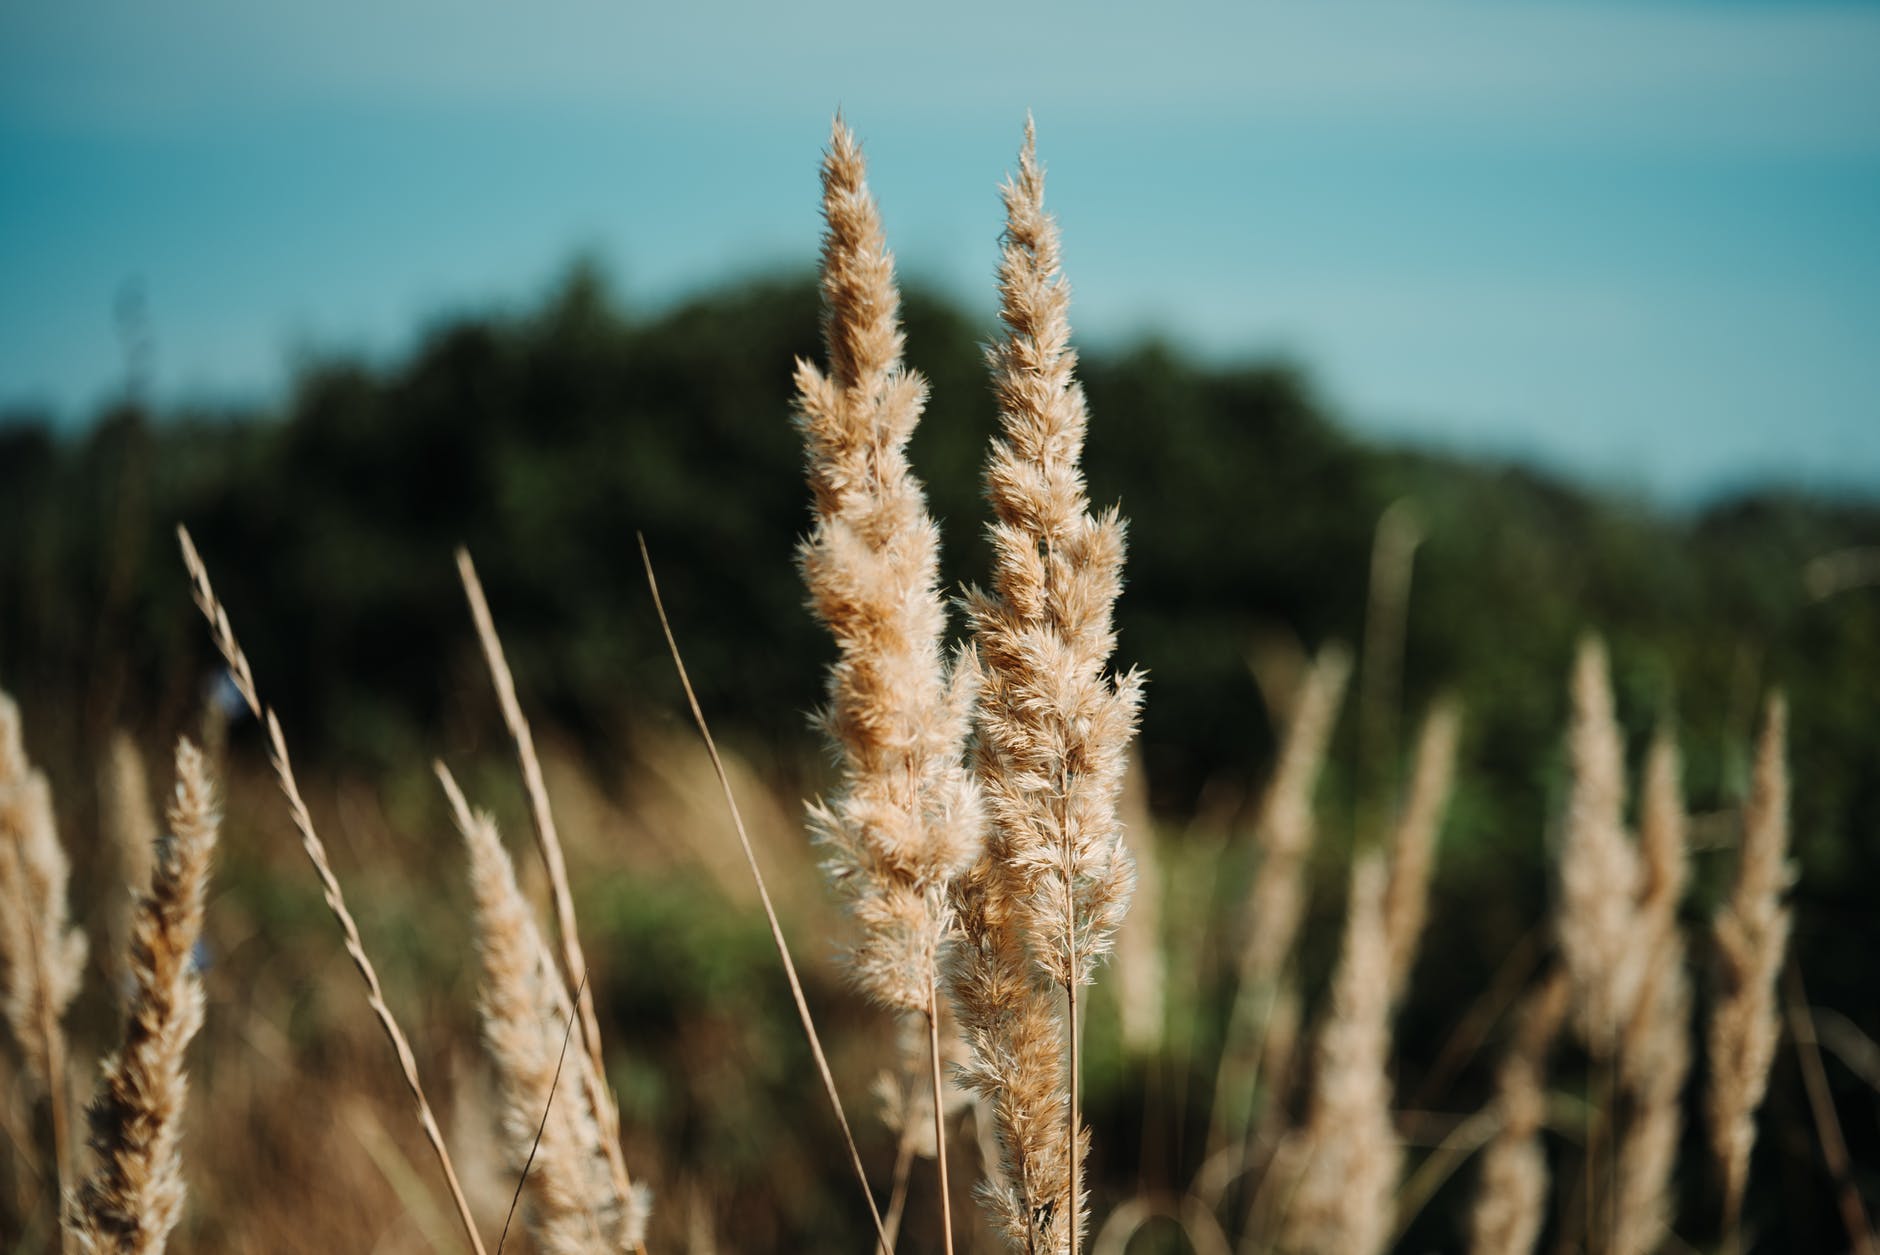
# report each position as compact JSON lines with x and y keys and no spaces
{"x":1343,"y":1199}
{"x":1511,"y":1199}
{"x":1661,"y":834}
{"x":1053,"y":730}
{"x":1752,"y":933}
{"x":134,"y":1196}
{"x":1655,"y":1055}
{"x":1286,"y":826}
{"x":1599,"y":868}
{"x":1413,"y":843}
{"x":42,"y":957}
{"x":527,"y":1021}
{"x":906,"y":817}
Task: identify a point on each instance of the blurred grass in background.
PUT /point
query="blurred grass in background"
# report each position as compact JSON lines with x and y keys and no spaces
{"x":544,"y":441}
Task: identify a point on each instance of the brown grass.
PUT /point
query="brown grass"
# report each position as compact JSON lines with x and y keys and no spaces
{"x":1599,"y":866}
{"x":129,"y":824}
{"x":1283,"y":834}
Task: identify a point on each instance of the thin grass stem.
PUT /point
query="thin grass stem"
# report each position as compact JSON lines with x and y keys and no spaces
{"x":763,"y":894}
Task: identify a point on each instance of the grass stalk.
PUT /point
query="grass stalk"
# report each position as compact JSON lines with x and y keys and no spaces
{"x":763,"y":894}
{"x":1821,"y":1107}
{"x":315,"y":849}
{"x":939,"y":1113}
{"x":573,"y":961}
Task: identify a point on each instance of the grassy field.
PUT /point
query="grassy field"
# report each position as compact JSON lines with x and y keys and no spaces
{"x":1475,"y":856}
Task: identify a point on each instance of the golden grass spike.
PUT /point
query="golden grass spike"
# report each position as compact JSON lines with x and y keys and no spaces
{"x":133,"y":1197}
{"x":315,"y":849}
{"x":1054,"y":722}
{"x":1286,"y":825}
{"x":905,"y":820}
{"x":1141,"y":961}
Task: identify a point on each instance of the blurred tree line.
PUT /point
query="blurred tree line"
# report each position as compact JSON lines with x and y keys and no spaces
{"x":545,"y":440}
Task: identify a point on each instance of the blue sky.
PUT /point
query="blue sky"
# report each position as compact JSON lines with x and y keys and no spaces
{"x":1636,"y":242}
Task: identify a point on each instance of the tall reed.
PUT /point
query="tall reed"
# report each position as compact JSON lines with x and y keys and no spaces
{"x":551,"y":1133}
{"x":1054,"y":727}
{"x":905,"y":819}
{"x":1655,"y":1051}
{"x":133,"y":1197}
{"x":1413,"y":840}
{"x":1752,"y":933}
{"x":128,"y":824}
{"x":243,"y":678}
{"x":1599,"y":866}
{"x":573,"y":971}
{"x":1283,"y":834}
{"x":41,"y":955}
{"x":1511,"y":1197}
{"x":1287,"y":823}
{"x":763,"y":896}
{"x":1351,"y":1155}
{"x":1141,"y":960}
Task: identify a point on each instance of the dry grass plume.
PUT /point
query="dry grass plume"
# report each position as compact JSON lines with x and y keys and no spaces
{"x":1752,"y":933}
{"x":1350,"y":1156}
{"x":41,"y":955}
{"x":905,"y":820}
{"x":1283,"y":834}
{"x":1413,"y":841}
{"x":1511,"y":1196}
{"x":1054,"y":728}
{"x":1599,"y":866}
{"x":574,"y":1205}
{"x":1655,"y":1054}
{"x":574,"y":970}
{"x":1286,"y":825}
{"x":129,"y":827}
{"x":133,"y":1197}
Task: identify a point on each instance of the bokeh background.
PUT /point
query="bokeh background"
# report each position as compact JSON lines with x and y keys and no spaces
{"x":1584,"y":295}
